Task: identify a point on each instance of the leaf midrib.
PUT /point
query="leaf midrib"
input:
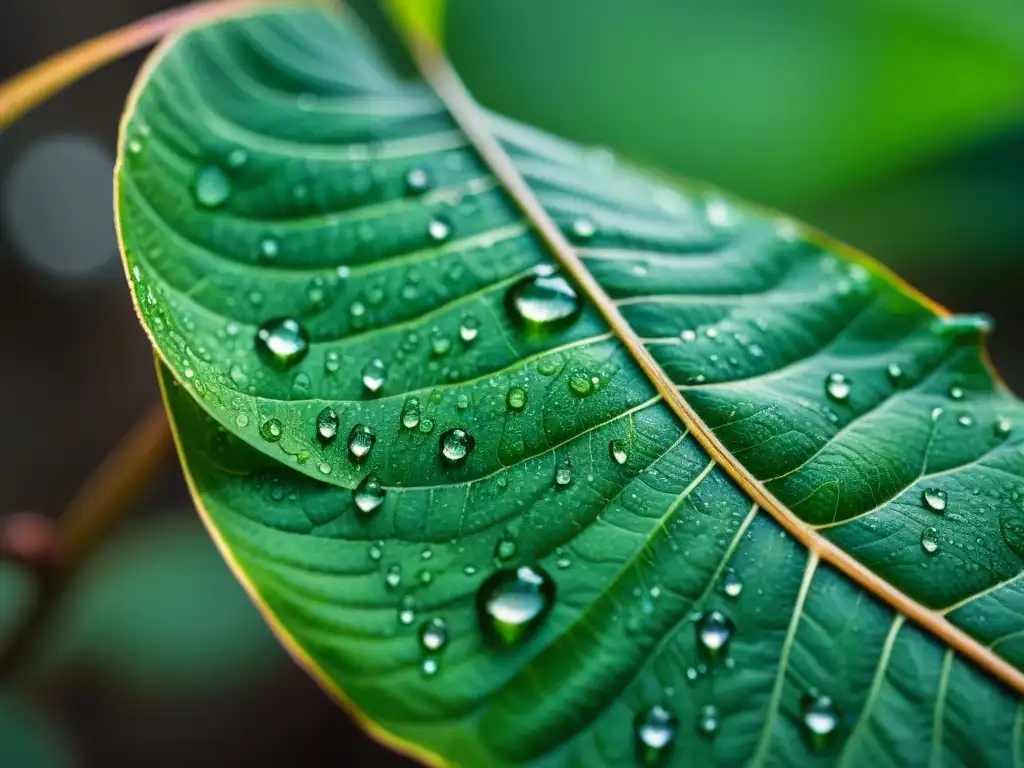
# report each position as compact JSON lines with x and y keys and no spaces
{"x":439,"y":74}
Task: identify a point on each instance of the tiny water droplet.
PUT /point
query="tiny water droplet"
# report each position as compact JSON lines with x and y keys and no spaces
{"x":618,"y":452}
{"x":369,"y":494}
{"x":411,"y":413}
{"x":956,"y":393}
{"x":930,"y":540}
{"x":513,"y":603}
{"x":440,"y":344}
{"x":838,"y":387}
{"x":324,"y":467}
{"x":895,"y":373}
{"x":563,"y":473}
{"x":688,"y":334}
{"x":374,"y":375}
{"x":505,"y":549}
{"x":964,"y":328}
{"x":417,"y":181}
{"x":271,"y":430}
{"x":430,"y":666}
{"x":393,"y":578}
{"x":426,"y":426}
{"x":707,"y":720}
{"x":332,"y":362}
{"x":820,"y":716}
{"x":469,"y":329}
{"x":516,"y":398}
{"x":731,"y":584}
{"x":935,"y":499}
{"x":327,"y":424}
{"x":456,"y":445}
{"x":269,"y":248}
{"x":212,"y":187}
{"x":360,"y":442}
{"x":654,"y":731}
{"x":583,"y":229}
{"x":714,"y":632}
{"x":241,"y":420}
{"x":542,"y":303}
{"x":282,"y":343}
{"x":462,"y":401}
{"x":964,"y":420}
{"x":434,"y":635}
{"x":1003,"y":427}
{"x":439,"y":229}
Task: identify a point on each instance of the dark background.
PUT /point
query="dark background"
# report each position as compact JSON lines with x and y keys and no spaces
{"x":897,"y":125}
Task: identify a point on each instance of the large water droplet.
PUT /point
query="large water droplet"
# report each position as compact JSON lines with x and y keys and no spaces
{"x":930,"y":540}
{"x":618,"y":451}
{"x":327,"y":424}
{"x":456,"y":445}
{"x":271,"y":430}
{"x":655,"y":733}
{"x":212,"y":187}
{"x":374,"y":375}
{"x":282,"y":342}
{"x":563,"y":473}
{"x":542,"y":303}
{"x":820,"y":716}
{"x":838,"y":387}
{"x":731,"y":584}
{"x":707,"y":720}
{"x":580,"y":384}
{"x":513,"y":603}
{"x":360,"y":442}
{"x":934,"y":499}
{"x":516,"y":398}
{"x":369,"y":494}
{"x":714,"y":632}
{"x":411,"y":413}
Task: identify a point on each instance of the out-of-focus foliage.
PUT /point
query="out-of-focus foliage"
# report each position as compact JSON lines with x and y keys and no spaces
{"x":28,"y":739}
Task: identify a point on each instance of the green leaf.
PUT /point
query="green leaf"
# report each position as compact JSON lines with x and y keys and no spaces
{"x":776,"y":494}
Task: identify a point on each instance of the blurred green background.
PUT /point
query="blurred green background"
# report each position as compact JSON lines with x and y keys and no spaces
{"x":897,"y":125}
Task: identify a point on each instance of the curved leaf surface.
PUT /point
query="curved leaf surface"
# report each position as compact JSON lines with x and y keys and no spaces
{"x":335,"y":279}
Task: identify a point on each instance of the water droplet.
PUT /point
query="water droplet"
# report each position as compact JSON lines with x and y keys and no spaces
{"x":434,"y":635}
{"x":417,"y":181}
{"x":934,"y":499}
{"x":430,"y":666}
{"x":964,"y":420}
{"x":707,"y":720}
{"x":618,"y":451}
{"x":369,"y":494}
{"x":583,"y":229}
{"x":895,"y":373}
{"x":837,"y":387}
{"x":456,"y":445}
{"x":360,"y":442}
{"x":375,"y":553}
{"x":469,"y":329}
{"x":563,"y":474}
{"x":411,"y":413}
{"x":269,"y":248}
{"x":516,"y":398}
{"x":956,"y":393}
{"x":241,"y":420}
{"x":1003,"y":427}
{"x":282,"y":342}
{"x":731,"y":584}
{"x":655,"y":733}
{"x":542,"y":303}
{"x":964,"y":328}
{"x":332,"y":362}
{"x":271,"y":430}
{"x":688,"y":334}
{"x":324,"y":467}
{"x":505,"y":549}
{"x":439,"y":229}
{"x":462,"y":401}
{"x":580,"y":384}
{"x":714,"y":632}
{"x":374,"y":375}
{"x":393,"y":578}
{"x":930,"y":540}
{"x":440,"y":344}
{"x":327,"y":423}
{"x":212,"y":187}
{"x":406,"y":617}
{"x":426,"y":426}
{"x":513,"y":603}
{"x":820,"y":716}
